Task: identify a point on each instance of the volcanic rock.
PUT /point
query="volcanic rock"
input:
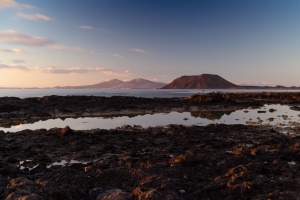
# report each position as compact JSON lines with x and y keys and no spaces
{"x":67,"y":131}
{"x":204,"y":81}
{"x":114,"y":194}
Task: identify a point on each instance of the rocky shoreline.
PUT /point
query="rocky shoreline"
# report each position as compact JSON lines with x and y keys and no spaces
{"x":172,"y":162}
{"x":15,"y":110}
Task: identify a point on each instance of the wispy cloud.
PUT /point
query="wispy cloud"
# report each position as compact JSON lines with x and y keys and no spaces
{"x":13,"y":51}
{"x":8,"y":4}
{"x":34,"y":16}
{"x":61,"y":70}
{"x":14,"y":67}
{"x":78,"y":70}
{"x":86,"y":27}
{"x":105,"y":30}
{"x":118,"y":55}
{"x":13,"y":4}
{"x":14,"y":37}
{"x":18,"y":61}
{"x":91,"y":28}
{"x":30,"y":7}
{"x":140,"y":51}
{"x":63,"y":47}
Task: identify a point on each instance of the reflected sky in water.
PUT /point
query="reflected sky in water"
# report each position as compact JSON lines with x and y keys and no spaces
{"x":283,"y":115}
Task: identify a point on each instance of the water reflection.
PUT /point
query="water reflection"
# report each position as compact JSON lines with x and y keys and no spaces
{"x":274,"y":115}
{"x":211,"y":115}
{"x":66,"y":162}
{"x":19,"y":123}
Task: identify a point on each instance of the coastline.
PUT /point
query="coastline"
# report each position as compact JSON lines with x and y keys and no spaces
{"x":131,"y":162}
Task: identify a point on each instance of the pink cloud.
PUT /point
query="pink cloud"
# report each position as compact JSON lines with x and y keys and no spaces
{"x":14,"y":37}
{"x":140,"y":51}
{"x":63,"y":47}
{"x":62,"y":70}
{"x":34,"y":16}
{"x":13,"y":51}
{"x":118,"y":55}
{"x":86,"y":27}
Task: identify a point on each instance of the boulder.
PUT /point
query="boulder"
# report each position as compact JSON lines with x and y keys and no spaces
{"x":67,"y":131}
{"x":151,"y":194}
{"x":114,"y":194}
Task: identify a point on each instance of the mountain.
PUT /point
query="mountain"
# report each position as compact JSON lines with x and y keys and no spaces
{"x":203,"y":81}
{"x":106,"y":84}
{"x":140,"y":84}
{"x":243,"y":84}
{"x":118,"y":84}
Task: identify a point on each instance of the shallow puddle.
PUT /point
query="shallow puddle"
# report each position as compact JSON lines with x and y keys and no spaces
{"x":30,"y":164}
{"x":268,"y":115}
{"x":65,"y":162}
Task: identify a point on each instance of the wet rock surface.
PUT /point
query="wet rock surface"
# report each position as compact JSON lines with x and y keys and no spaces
{"x":172,"y":162}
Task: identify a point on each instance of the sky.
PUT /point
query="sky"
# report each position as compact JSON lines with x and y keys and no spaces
{"x":69,"y":43}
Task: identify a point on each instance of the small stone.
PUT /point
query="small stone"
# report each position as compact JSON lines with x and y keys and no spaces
{"x":114,"y":194}
{"x":181,"y":191}
{"x":2,"y":133}
{"x":65,"y":131}
{"x":261,"y":111}
{"x":292,"y":163}
{"x":87,"y":169}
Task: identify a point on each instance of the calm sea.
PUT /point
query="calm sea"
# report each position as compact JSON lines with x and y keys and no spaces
{"x":150,"y":93}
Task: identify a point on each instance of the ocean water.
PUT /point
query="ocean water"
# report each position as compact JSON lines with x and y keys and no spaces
{"x":147,"y":93}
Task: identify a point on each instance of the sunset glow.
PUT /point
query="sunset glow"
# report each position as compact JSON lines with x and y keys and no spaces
{"x":69,"y":43}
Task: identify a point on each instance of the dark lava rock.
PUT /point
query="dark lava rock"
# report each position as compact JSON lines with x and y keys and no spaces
{"x":95,"y":192}
{"x":8,"y":108}
{"x":210,"y":98}
{"x":12,"y":160}
{"x":67,"y":131}
{"x":296,"y":108}
{"x":3,"y":164}
{"x":114,"y":194}
{"x":261,"y":111}
{"x":172,"y":162}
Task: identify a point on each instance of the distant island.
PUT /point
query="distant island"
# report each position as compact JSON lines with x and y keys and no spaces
{"x":203,"y":81}
{"x":211,"y":81}
{"x":118,"y":84}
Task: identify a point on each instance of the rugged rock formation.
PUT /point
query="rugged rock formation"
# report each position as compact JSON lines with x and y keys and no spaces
{"x":171,"y":162}
{"x":204,"y":81}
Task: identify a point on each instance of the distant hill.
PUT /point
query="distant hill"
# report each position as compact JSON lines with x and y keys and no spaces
{"x":204,"y":81}
{"x":210,"y":81}
{"x":118,"y":84}
{"x":140,"y":84}
{"x":105,"y":84}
